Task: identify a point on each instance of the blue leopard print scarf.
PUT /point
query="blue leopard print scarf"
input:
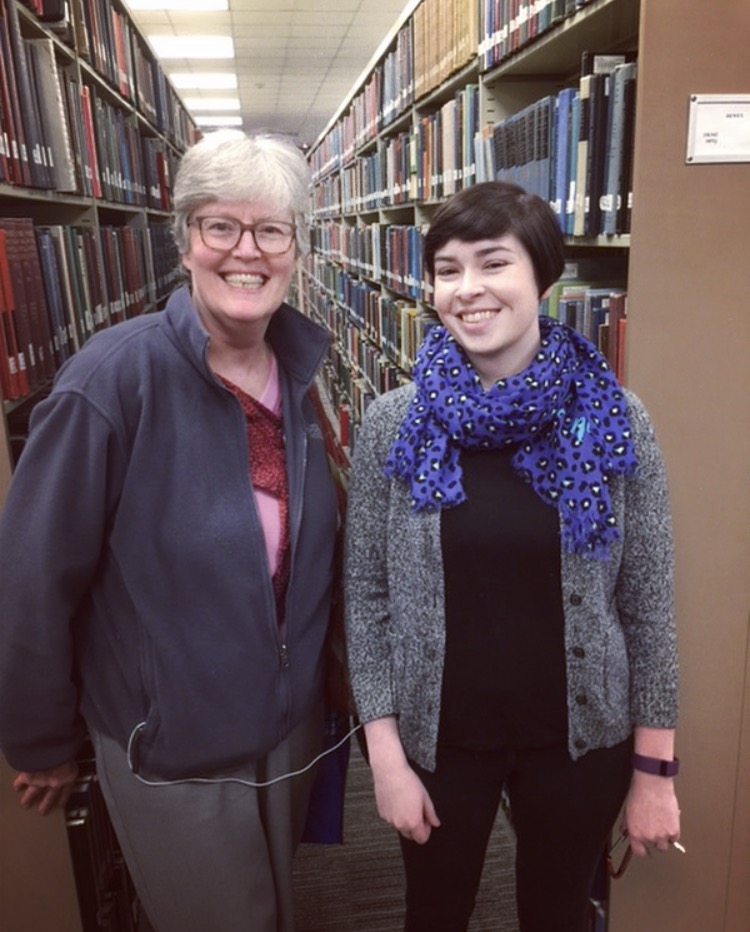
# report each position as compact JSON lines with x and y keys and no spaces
{"x":565,"y":411}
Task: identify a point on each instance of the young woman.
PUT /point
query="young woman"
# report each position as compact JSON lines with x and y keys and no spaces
{"x":509,"y":585}
{"x":166,"y":557}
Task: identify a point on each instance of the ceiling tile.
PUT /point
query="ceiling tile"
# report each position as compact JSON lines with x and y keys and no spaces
{"x":307,"y":54}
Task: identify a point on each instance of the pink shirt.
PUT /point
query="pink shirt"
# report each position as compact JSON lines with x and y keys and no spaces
{"x":268,"y":505}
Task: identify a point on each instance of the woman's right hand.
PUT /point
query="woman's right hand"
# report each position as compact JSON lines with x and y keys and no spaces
{"x":401,"y":797}
{"x":404,"y":803}
{"x":46,"y":789}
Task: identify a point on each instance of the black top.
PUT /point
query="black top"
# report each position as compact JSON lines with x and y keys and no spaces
{"x":504,"y":679}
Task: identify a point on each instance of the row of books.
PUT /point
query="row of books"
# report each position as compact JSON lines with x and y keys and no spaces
{"x":403,"y":261}
{"x":61,"y":283}
{"x":391,"y":252}
{"x":446,"y":160}
{"x":445,"y":39}
{"x":394,"y":250}
{"x":438,"y":39}
{"x":393,"y":325}
{"x":398,"y":75}
{"x":509,"y":25}
{"x":91,"y":146}
{"x":358,"y":249}
{"x":107,"y":39}
{"x":434,"y":160}
{"x":575,"y":149}
{"x":598,"y":310}
{"x":58,"y":132}
{"x":349,"y":386}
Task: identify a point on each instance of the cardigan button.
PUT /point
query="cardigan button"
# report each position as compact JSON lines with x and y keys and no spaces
{"x":580,"y":744}
{"x":579,"y":652}
{"x":575,"y":599}
{"x":581,"y":700}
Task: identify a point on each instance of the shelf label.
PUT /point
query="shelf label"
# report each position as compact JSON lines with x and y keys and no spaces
{"x":718,"y":128}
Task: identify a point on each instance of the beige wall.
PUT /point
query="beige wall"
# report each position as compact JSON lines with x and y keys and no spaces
{"x":37,"y":890}
{"x":687,"y":357}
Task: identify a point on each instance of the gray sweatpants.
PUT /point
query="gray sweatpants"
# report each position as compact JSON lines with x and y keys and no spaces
{"x":213,"y":856}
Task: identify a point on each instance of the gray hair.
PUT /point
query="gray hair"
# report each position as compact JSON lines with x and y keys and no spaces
{"x":228,"y":165}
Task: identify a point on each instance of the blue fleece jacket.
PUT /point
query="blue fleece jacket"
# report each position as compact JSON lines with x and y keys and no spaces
{"x":134,"y":587}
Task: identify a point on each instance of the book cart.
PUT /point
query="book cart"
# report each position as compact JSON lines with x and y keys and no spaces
{"x":586,"y":102}
{"x":90,"y":133}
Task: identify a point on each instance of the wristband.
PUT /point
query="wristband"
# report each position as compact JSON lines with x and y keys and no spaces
{"x":661,"y":768}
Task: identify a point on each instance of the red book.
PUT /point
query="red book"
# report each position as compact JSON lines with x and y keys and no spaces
{"x":88,"y":129}
{"x":18,"y":159}
{"x":31,"y":298}
{"x":16,"y":379}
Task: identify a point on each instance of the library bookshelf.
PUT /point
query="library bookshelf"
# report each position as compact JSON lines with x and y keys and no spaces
{"x":90,"y":134}
{"x":463,"y":91}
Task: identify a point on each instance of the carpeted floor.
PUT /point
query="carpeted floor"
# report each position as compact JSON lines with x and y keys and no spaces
{"x":359,"y":885}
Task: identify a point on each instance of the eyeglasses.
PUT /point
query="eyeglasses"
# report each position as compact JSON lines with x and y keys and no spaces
{"x":274,"y":237}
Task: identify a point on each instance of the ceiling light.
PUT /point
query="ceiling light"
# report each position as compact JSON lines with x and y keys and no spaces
{"x":211,"y":103}
{"x":216,"y":81}
{"x":185,"y":6}
{"x":192,"y":46}
{"x":218,"y":120}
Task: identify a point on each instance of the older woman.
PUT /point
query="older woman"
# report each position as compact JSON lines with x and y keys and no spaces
{"x":508,"y":586}
{"x":166,"y":560}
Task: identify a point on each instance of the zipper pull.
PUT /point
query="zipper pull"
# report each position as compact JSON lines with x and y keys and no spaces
{"x":284,"y":657}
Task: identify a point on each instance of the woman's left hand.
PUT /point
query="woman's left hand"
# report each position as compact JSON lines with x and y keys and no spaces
{"x":652,"y":815}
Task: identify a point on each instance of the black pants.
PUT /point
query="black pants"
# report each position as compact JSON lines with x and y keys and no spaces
{"x":562,"y":812}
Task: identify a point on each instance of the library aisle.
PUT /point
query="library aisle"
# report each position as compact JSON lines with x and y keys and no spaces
{"x":462,"y":91}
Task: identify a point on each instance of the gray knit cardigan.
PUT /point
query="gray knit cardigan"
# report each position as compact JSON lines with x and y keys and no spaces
{"x":619,"y":614}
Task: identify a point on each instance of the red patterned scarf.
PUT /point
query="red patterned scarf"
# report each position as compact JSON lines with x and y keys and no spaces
{"x":265,"y":436}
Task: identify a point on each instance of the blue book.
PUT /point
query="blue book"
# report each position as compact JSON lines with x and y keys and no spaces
{"x":563,"y":105}
{"x":574,"y":130}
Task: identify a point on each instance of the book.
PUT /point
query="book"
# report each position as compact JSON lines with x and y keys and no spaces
{"x":13,"y":127}
{"x":15,"y":382}
{"x":8,"y":387}
{"x":55,"y":302}
{"x":6,"y":173}
{"x":616,"y":328}
{"x":76,"y":331}
{"x":81,"y":299}
{"x":583,"y":142}
{"x":626,"y":170}
{"x":563,"y":121}
{"x":16,"y":286}
{"x":52,"y":111}
{"x":597,"y":152}
{"x":570,"y":203}
{"x":21,"y":234}
{"x":39,"y":173}
{"x":92,"y":158}
{"x":614,"y":185}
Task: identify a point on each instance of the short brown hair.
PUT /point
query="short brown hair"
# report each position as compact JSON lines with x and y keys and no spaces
{"x":493,"y":209}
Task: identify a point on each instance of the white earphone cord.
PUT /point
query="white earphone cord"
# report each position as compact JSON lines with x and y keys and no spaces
{"x":250,"y":783}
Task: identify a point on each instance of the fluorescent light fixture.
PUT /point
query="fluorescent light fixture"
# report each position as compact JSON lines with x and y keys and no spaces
{"x":177,"y":6}
{"x":192,"y":46}
{"x":211,"y":103}
{"x":215,"y":81}
{"x":218,"y":120}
